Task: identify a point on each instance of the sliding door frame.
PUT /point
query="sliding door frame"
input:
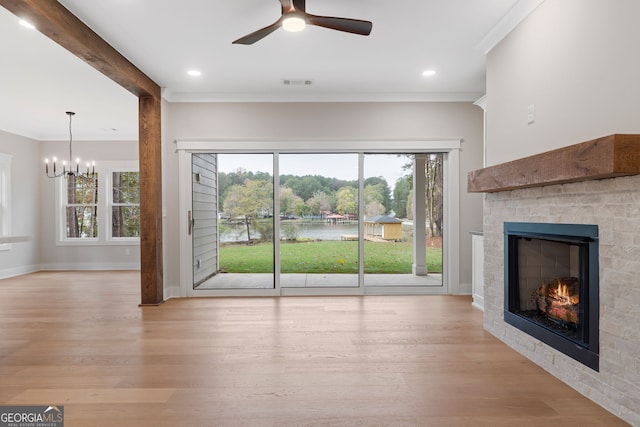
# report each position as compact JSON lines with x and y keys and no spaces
{"x":451,"y":200}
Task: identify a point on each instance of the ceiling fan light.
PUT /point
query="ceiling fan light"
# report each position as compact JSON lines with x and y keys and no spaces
{"x":293,"y":23}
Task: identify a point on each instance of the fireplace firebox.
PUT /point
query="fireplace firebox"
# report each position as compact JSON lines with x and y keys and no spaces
{"x":552,"y":286}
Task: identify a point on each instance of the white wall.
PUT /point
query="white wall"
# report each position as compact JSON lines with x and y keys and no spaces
{"x":25,"y":188}
{"x":577,"y":61}
{"x":271,"y":121}
{"x":55,"y":257}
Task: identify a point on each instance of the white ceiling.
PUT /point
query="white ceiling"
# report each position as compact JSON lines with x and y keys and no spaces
{"x":40,"y":80}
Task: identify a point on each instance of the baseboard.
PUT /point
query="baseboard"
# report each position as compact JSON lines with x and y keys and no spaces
{"x":18,"y":271}
{"x":173,"y":292}
{"x":478,"y":302}
{"x":90,"y":266}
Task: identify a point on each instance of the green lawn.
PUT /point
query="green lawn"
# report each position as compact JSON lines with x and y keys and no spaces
{"x":325,"y":257}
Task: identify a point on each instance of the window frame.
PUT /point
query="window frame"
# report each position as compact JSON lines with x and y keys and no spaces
{"x":104,"y":170}
{"x":110,"y":203}
{"x":66,"y":205}
{"x":451,"y":170}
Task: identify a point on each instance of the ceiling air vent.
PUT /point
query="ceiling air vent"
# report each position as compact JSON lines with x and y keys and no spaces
{"x":296,"y":82}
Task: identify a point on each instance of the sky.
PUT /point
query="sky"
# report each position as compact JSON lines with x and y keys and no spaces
{"x":341,"y":166}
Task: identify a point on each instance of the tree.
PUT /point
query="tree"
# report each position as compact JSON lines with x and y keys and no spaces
{"x":374,"y":197}
{"x":318,"y":203}
{"x":82,"y":207}
{"x":304,"y":186}
{"x":374,"y":208}
{"x":409,"y":208}
{"x":433,"y":193}
{"x":402,"y":195}
{"x":291,"y":231}
{"x":383,"y":188}
{"x":249,"y":201}
{"x":298,"y":207}
{"x":347,"y":200}
{"x":433,"y":171}
{"x":238,"y":177}
{"x":290,"y":203}
{"x":125,"y":214}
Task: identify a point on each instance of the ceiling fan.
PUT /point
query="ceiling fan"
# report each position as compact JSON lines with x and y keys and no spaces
{"x":294,"y":18}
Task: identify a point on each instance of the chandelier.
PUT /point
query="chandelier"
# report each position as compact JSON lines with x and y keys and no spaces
{"x":69,"y":170}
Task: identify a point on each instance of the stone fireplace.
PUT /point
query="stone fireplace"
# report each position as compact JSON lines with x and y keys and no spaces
{"x":582,"y":184}
{"x":552,"y":285}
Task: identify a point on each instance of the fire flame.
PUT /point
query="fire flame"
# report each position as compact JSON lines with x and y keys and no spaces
{"x":562,"y":295}
{"x":558,"y":299}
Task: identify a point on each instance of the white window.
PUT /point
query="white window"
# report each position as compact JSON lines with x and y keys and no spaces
{"x":103,"y":210}
{"x":5,"y":199}
{"x":124,"y":205}
{"x":81,"y":207}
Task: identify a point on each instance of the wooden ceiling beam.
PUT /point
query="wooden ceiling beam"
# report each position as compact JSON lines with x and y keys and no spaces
{"x":63,"y":27}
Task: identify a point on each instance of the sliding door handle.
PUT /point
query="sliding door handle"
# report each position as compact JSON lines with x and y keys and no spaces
{"x":191,"y":221}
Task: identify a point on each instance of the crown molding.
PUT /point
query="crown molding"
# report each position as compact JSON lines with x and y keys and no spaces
{"x":481,"y":102}
{"x":320,"y":97}
{"x":512,"y":19}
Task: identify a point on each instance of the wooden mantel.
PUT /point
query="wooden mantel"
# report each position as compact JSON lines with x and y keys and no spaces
{"x":607,"y":157}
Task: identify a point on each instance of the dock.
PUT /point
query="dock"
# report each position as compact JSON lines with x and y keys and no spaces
{"x":368,"y":237}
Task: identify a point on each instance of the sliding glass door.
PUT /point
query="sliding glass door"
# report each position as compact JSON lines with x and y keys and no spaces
{"x":318,"y":220}
{"x":400,"y":251}
{"x":291,"y":223}
{"x":232,"y":221}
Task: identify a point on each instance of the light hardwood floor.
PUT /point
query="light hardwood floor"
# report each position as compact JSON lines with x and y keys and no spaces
{"x":80,"y":340}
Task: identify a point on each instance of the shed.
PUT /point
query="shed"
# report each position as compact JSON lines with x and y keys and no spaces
{"x":384,"y":227}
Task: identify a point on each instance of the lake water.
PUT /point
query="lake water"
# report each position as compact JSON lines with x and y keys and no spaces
{"x":312,"y":230}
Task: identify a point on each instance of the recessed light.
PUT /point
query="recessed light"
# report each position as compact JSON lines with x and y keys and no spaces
{"x":194,"y":73}
{"x":429,"y":73}
{"x":27,"y":24}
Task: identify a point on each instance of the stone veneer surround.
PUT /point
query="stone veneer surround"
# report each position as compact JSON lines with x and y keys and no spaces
{"x":614,"y":205}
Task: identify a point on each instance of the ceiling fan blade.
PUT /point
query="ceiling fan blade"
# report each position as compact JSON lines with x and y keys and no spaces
{"x":299,"y":5}
{"x":354,"y":26}
{"x":287,"y":5}
{"x":258,"y":35}
{"x":291,"y":5}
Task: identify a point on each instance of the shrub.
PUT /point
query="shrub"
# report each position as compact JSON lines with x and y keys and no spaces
{"x":290,"y":231}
